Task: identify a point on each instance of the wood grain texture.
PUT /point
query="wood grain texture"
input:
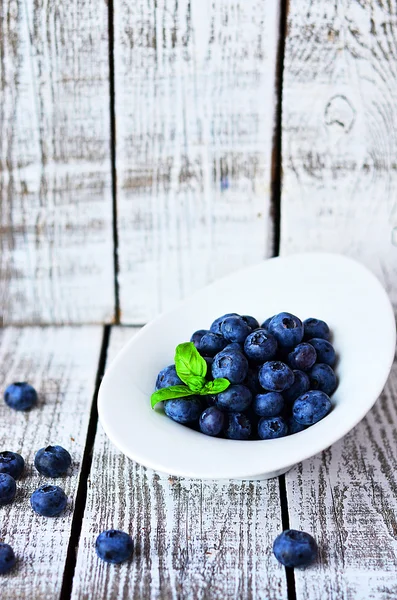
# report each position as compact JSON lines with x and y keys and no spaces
{"x":56,"y":248}
{"x":195,"y":112}
{"x":339,"y":134}
{"x":62,"y":365}
{"x":193,"y":539}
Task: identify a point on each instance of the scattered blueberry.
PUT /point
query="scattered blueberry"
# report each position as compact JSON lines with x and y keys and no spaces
{"x":287,"y":329}
{"x":295,"y":548}
{"x":251,"y":321}
{"x":8,"y":488}
{"x":197,"y":335}
{"x":300,"y":386}
{"x":302,"y":357}
{"x":311,"y":407}
{"x":315,"y":328}
{"x":48,"y":501}
{"x":168,"y":377}
{"x":20,"y":396}
{"x":322,"y":377}
{"x":11,"y":463}
{"x":52,"y":461}
{"x":217,"y":324}
{"x":269,"y":429}
{"x":114,"y":546}
{"x":236,"y":398}
{"x":183,"y":410}
{"x":212,"y":421}
{"x":275,"y":376}
{"x":260,"y":346}
{"x":325,"y":351}
{"x":231,"y":365}
{"x":235,"y":329}
{"x":7,"y":558}
{"x":239,"y":427}
{"x":268,"y":405}
{"x":211,"y":343}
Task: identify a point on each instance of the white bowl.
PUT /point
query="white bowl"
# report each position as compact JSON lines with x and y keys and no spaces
{"x":327,"y":286}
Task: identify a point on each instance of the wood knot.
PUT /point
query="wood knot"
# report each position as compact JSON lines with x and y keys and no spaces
{"x":340,"y":113}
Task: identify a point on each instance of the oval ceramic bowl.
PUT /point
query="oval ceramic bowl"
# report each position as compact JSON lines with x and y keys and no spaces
{"x":327,"y":286}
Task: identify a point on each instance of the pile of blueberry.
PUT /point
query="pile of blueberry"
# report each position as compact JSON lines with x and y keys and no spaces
{"x":280,"y":373}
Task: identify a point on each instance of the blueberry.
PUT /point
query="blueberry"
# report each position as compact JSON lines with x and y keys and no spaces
{"x":323,"y":378}
{"x":212,"y":421}
{"x":252,"y":381}
{"x":211,"y":343}
{"x":251,"y":321}
{"x":216,"y":325}
{"x":183,"y":410}
{"x":197,"y":335}
{"x":311,"y":407}
{"x":48,"y":500}
{"x":300,"y":386}
{"x":287,"y":329}
{"x":168,"y":377}
{"x":275,"y":376}
{"x":7,"y":558}
{"x":315,"y":328}
{"x":302,"y":357}
{"x":114,"y":546}
{"x":295,"y":548}
{"x":11,"y":463}
{"x":265,"y":324}
{"x":268,"y":405}
{"x":8,"y":488}
{"x":236,"y":398}
{"x":269,"y":429}
{"x":231,"y":365}
{"x":234,"y":346}
{"x":239,"y":427}
{"x":209,"y":360}
{"x":294,"y":426}
{"x":235,"y":329}
{"x":325,"y":351}
{"x":52,"y":461}
{"x":260,"y":346}
{"x":20,"y":396}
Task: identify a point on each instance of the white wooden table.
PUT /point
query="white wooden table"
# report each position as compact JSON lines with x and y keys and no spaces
{"x":146,"y":149}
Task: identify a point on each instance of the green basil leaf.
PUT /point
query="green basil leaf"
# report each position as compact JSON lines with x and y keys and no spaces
{"x":196,"y":383}
{"x":215,"y":387}
{"x":189,"y":363}
{"x":174,"y":391}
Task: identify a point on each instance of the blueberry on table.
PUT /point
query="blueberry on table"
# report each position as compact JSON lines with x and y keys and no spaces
{"x":251,"y":321}
{"x":311,"y":407}
{"x":183,"y":410}
{"x":325,"y":351}
{"x":48,"y":501}
{"x":294,"y":548}
{"x":260,"y":346}
{"x":217,"y":324}
{"x":235,"y":329}
{"x":239,"y":427}
{"x":52,"y":461}
{"x":167,"y":377}
{"x":20,"y":396}
{"x":302,"y":357}
{"x":236,"y":398}
{"x":197,"y":335}
{"x":269,"y":404}
{"x":315,"y":328}
{"x":11,"y":463}
{"x":7,"y":558}
{"x":300,"y":386}
{"x":287,"y":329}
{"x":211,"y":421}
{"x":211,"y":343}
{"x":114,"y":546}
{"x":8,"y":488}
{"x":270,"y":429}
{"x":231,"y":365}
{"x":323,"y":378}
{"x":275,"y":376}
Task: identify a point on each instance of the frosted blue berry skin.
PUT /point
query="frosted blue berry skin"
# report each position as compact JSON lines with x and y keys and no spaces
{"x":235,"y":329}
{"x":231,"y":365}
{"x":48,"y":501}
{"x":197,"y":335}
{"x":7,"y":558}
{"x":300,"y":386}
{"x":238,"y":427}
{"x":294,"y":548}
{"x":168,"y":377}
{"x":114,"y":546}
{"x":217,"y":324}
{"x":211,"y":343}
{"x":20,"y":396}
{"x":323,"y":378}
{"x":236,"y":398}
{"x":275,"y":376}
{"x":302,"y":357}
{"x":212,"y":421}
{"x":11,"y":463}
{"x":52,"y":461}
{"x":315,"y":328}
{"x":269,"y":404}
{"x":311,"y":407}
{"x":272,"y":428}
{"x":260,"y":346}
{"x":8,"y":488}
{"x":184,"y":410}
{"x":325,"y":351}
{"x":287,"y":329}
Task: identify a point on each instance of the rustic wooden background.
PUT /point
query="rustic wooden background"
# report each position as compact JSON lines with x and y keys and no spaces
{"x":147,"y":148}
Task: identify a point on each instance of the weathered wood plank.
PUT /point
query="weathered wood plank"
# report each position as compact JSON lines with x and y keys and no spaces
{"x":56,"y":249}
{"x":62,"y":365}
{"x":339,"y":186}
{"x":196,"y":540}
{"x":195,"y":108}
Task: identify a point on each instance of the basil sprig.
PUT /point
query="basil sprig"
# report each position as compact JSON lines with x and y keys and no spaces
{"x":191,"y":369}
